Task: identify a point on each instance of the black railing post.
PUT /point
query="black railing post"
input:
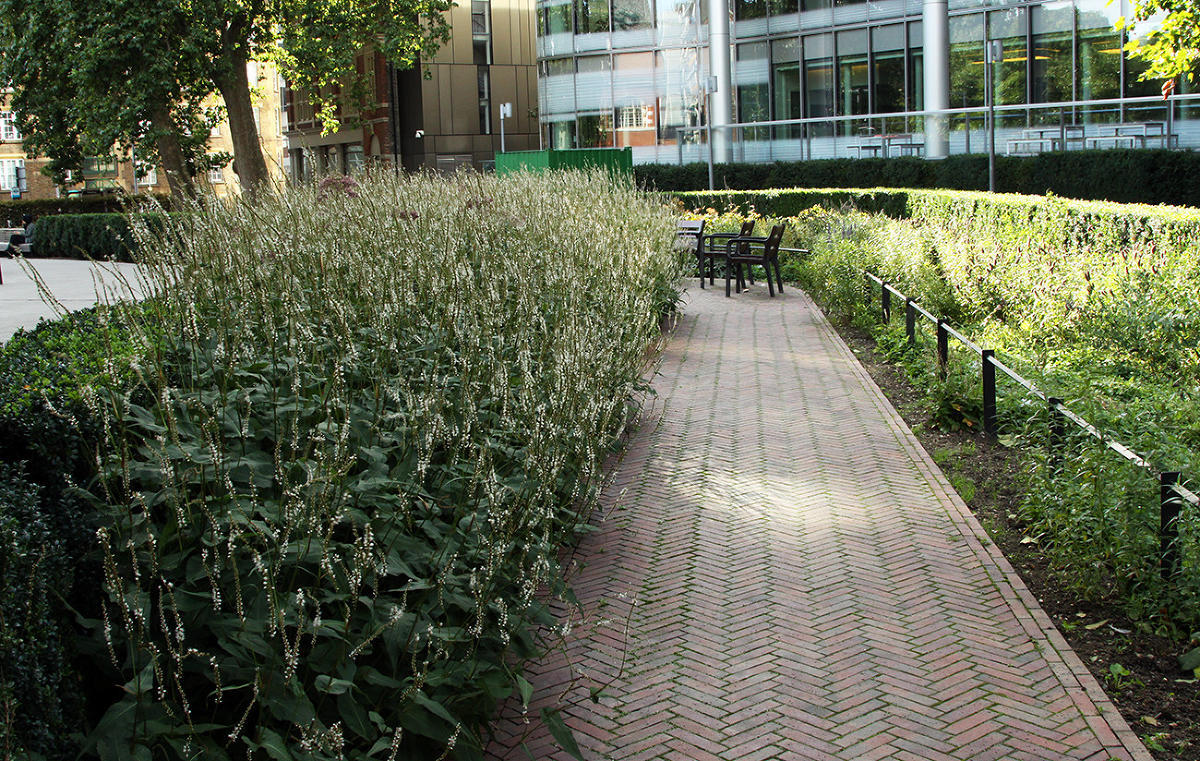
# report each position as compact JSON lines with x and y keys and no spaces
{"x":1058,"y":432}
{"x":989,"y":392}
{"x":867,"y":292}
{"x":910,"y":321}
{"x":943,"y":349}
{"x":1168,"y":524}
{"x":885,"y":303}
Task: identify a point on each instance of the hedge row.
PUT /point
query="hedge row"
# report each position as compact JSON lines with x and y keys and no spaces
{"x":1059,"y":224}
{"x":1126,"y":176}
{"x":87,"y":236}
{"x":13,"y":211}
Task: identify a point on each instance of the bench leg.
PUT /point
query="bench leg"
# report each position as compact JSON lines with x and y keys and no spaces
{"x":778,"y":274}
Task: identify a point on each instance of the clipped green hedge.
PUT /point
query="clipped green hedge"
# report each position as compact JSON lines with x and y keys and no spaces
{"x":112,"y":203}
{"x":1055,"y":222}
{"x":87,"y":236}
{"x":791,"y":202}
{"x":1123,"y":175}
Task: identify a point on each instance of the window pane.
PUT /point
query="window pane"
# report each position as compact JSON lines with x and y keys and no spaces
{"x":819,"y":94}
{"x":632,"y":14}
{"x":748,"y":9}
{"x":595,"y":130}
{"x":785,"y":71}
{"x":1053,"y":79}
{"x":853,"y":79}
{"x":887,"y":43}
{"x":1136,"y":87}
{"x":1008,"y":26}
{"x":1098,"y":74}
{"x":591,"y":16}
{"x":558,"y":17}
{"x":966,"y":60}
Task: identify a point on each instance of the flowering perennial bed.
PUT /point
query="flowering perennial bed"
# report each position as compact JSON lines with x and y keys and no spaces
{"x":367,"y":414}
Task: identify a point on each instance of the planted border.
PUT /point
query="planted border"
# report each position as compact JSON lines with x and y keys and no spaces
{"x":368,"y":417}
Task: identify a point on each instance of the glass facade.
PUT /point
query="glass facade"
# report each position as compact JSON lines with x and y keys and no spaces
{"x":632,"y":73}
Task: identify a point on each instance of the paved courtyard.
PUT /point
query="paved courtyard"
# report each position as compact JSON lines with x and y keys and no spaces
{"x":72,"y":284}
{"x":783,"y":573}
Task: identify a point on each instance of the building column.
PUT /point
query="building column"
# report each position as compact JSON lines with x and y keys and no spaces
{"x":935,"y":26}
{"x":720,"y":102}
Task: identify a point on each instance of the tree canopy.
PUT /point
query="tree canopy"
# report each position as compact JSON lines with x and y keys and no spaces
{"x":1171,"y":44}
{"x":91,"y":76}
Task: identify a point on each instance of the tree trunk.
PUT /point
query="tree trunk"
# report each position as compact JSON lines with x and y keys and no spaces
{"x":248,"y":160}
{"x":170,"y":154}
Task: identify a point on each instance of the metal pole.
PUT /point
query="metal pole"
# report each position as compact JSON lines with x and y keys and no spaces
{"x":719,"y":66}
{"x":943,"y":350}
{"x":935,"y":38}
{"x":708,"y":117}
{"x":993,"y":50}
{"x":1058,"y":432}
{"x":1168,"y":527}
{"x":910,"y":321}
{"x":989,"y":392}
{"x":885,"y":303}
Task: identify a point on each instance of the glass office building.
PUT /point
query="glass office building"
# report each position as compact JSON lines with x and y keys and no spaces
{"x":822,"y":78}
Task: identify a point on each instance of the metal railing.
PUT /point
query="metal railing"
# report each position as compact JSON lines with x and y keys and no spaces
{"x":1172,"y":493}
{"x":965,"y":129}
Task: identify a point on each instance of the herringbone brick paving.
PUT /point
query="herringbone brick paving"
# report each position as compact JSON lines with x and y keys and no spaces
{"x":782,"y":573}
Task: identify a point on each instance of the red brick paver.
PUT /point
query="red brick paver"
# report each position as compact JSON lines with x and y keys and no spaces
{"x":783,"y":573}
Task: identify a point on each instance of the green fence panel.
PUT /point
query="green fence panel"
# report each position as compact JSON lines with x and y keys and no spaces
{"x":614,"y":159}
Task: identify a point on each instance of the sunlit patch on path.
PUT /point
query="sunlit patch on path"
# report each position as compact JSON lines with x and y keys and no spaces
{"x":784,"y":574}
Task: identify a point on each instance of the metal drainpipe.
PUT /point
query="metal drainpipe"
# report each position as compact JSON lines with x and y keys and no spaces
{"x":721,"y":101}
{"x":935,"y":26}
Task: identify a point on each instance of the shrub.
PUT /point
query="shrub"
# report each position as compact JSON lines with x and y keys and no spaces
{"x":1124,"y":175}
{"x":36,"y":693}
{"x":88,"y":236}
{"x":11,"y":211}
{"x":381,"y":411}
{"x":46,"y":528}
{"x":1094,"y":303}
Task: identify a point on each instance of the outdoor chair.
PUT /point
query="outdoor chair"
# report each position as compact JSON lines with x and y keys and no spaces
{"x":750,"y":250}
{"x":689,"y":235}
{"x":709,"y":250}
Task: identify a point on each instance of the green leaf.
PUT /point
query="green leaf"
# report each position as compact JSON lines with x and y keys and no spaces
{"x":561,"y":732}
{"x":332,"y":686}
{"x":273,"y":743}
{"x":1190,"y":660}
{"x":526,"y":690}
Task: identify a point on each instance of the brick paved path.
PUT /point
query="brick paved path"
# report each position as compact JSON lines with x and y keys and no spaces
{"x":784,"y":574}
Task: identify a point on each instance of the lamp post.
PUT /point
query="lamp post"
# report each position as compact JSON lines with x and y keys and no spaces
{"x":505,"y":112}
{"x":993,"y":53}
{"x":710,"y":87}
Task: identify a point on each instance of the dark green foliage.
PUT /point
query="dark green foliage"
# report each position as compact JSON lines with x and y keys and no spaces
{"x":87,"y":236}
{"x":1093,"y":302}
{"x":13,"y":211}
{"x":1129,"y":176}
{"x":38,"y":703}
{"x":46,"y":528}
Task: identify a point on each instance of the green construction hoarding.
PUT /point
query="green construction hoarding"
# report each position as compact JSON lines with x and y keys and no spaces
{"x":613,"y":159}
